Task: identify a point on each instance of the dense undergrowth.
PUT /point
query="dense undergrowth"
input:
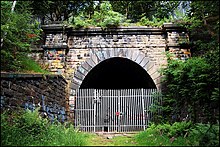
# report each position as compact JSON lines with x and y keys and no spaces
{"x":180,"y":134}
{"x":26,"y":128}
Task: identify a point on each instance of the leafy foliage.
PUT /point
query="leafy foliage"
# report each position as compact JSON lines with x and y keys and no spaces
{"x":18,"y":32}
{"x":28,"y":128}
{"x":192,"y":86}
{"x":189,"y":91}
{"x":105,"y":17}
{"x":179,"y":134}
{"x":135,"y":10}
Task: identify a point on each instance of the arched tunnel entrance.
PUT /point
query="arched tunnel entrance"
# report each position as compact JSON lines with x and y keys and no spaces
{"x":117,"y":73}
{"x":115,"y":96}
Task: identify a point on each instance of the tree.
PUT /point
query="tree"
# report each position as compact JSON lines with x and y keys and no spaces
{"x":192,"y":87}
{"x":135,"y":10}
{"x":49,"y":11}
{"x":18,"y":31}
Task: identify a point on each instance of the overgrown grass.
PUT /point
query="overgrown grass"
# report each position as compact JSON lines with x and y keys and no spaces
{"x":28,"y":129}
{"x":29,"y":65}
{"x":179,"y":134}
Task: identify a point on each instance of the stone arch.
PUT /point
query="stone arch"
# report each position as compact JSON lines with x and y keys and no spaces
{"x":100,"y":55}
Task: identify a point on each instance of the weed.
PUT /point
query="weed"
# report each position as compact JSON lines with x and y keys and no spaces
{"x":28,"y":128}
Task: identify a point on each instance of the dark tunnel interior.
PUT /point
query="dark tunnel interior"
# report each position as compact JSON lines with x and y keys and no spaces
{"x":117,"y":73}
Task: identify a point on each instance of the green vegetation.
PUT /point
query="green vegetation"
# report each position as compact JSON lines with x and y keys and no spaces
{"x":18,"y":32}
{"x":180,"y":134}
{"x":191,"y":91}
{"x":105,"y":17}
{"x":95,"y":140}
{"x":29,"y":65}
{"x":192,"y":87}
{"x":28,"y":128}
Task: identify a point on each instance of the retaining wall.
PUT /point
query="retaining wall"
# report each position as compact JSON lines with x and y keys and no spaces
{"x":35,"y":90}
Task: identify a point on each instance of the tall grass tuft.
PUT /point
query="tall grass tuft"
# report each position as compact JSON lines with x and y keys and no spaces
{"x":29,"y":65}
{"x":26,"y":128}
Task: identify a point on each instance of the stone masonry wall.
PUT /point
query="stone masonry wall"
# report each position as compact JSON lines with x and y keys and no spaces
{"x":65,"y":49}
{"x":33,"y":90}
{"x":81,"y":47}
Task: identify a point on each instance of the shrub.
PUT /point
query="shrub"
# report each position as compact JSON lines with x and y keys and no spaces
{"x":28,"y":128}
{"x":179,"y":134}
{"x":190,"y":91}
{"x":105,"y":17}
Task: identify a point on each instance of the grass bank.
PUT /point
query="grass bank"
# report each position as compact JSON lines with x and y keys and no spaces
{"x":29,"y":129}
{"x":26,"y":128}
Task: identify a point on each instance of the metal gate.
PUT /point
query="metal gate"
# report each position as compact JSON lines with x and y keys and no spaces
{"x":126,"y":110}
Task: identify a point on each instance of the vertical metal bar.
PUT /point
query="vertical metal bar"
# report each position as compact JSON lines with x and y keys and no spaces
{"x":99,"y":110}
{"x":142,"y":95}
{"x":114,"y":111}
{"x":83,"y":112}
{"x":137,"y":103}
{"x":77,"y":107}
{"x":86,"y":111}
{"x":79,"y":110}
{"x":91,"y":106}
{"x":123,"y":110}
{"x":108,"y":114}
{"x":118,"y":110}
{"x":101,"y":113}
{"x":129,"y":109}
{"x":75,"y":112}
{"x":147,"y":106}
{"x":111,"y":115}
{"x":138,"y":112}
{"x":131,"y":105}
{"x":98,"y":91}
{"x":150,"y":96}
{"x":104,"y":112}
{"x":80,"y":107}
{"x":94,"y":122}
{"x":135,"y":109}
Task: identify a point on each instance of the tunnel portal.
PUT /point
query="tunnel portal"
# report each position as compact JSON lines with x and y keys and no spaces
{"x":117,"y":73}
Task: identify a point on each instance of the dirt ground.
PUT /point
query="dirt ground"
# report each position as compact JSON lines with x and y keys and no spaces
{"x":112,"y":139}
